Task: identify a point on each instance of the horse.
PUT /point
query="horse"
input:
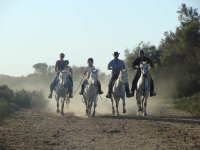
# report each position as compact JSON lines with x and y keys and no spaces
{"x":143,"y":88}
{"x":118,"y":91}
{"x":62,"y":91}
{"x":90,"y":93}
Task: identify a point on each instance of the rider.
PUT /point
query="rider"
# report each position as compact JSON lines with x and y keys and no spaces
{"x":68,"y":69}
{"x":116,"y":65}
{"x":136,"y":65}
{"x":60,"y":65}
{"x":87,"y":72}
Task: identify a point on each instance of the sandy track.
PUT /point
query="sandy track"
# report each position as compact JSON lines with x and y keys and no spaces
{"x":36,"y":129}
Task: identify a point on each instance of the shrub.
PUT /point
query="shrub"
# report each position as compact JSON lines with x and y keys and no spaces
{"x":22,"y":98}
{"x":190,"y":104}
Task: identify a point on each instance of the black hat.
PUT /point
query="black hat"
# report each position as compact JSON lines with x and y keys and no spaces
{"x":62,"y":54}
{"x":116,"y":54}
{"x":90,"y":59}
{"x":141,"y":52}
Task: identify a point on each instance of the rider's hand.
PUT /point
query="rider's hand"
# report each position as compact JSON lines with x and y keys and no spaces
{"x":137,"y":67}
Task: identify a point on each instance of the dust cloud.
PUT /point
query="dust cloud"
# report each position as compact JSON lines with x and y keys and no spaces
{"x":104,"y":106}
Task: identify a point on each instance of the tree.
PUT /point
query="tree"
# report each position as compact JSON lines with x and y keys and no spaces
{"x":41,"y":68}
{"x":181,"y":53}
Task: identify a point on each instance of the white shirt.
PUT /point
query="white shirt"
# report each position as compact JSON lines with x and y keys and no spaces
{"x":68,"y":69}
{"x":88,"y":71}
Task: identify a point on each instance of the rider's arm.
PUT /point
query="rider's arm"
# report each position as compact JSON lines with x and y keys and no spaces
{"x":109,"y":66}
{"x":56,"y":66}
{"x":135,"y":64}
{"x":71,"y":72}
{"x":150,"y":62}
{"x":85,"y":71}
{"x":123,"y":65}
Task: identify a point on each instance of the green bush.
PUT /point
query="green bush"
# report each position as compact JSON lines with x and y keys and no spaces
{"x":6,"y":107}
{"x":6,"y":93}
{"x":22,"y":98}
{"x":11,"y":101}
{"x":37,"y":99}
{"x":190,"y":104}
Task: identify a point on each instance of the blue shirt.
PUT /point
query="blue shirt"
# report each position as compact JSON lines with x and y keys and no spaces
{"x":60,"y":65}
{"x":116,"y":65}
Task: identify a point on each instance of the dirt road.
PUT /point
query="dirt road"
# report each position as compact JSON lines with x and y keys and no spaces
{"x":35,"y":129}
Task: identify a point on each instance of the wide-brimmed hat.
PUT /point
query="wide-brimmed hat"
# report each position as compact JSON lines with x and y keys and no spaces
{"x":116,"y":54}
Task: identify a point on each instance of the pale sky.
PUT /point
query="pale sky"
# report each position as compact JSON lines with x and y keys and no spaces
{"x":33,"y":31}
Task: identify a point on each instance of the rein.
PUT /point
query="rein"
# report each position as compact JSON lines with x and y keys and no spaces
{"x":79,"y":84}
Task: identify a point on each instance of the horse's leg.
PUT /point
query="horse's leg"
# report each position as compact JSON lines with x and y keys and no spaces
{"x":57,"y":99}
{"x":124,"y":105}
{"x":67,"y":102}
{"x":113,"y":109}
{"x":138,"y":103}
{"x":89,"y":108}
{"x":142,"y":104}
{"x":62,"y":105}
{"x":86,"y":105}
{"x":95,"y":105}
{"x":145,"y":106}
{"x":117,"y":104}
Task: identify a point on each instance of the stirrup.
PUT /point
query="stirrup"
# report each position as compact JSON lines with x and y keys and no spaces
{"x":152,"y":94}
{"x":108,"y":96}
{"x":130,"y":95}
{"x":100,"y":92}
{"x":50,"y":96}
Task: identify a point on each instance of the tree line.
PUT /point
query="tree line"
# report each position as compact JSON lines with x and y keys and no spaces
{"x":177,"y":58}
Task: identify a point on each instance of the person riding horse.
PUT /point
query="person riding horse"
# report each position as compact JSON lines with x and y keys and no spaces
{"x":68,"y":69}
{"x":87,"y":72}
{"x":116,"y":65}
{"x":136,"y":65}
{"x":59,"y":66}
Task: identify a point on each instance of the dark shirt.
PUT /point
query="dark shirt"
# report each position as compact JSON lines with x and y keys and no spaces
{"x":60,"y":65}
{"x":139,"y":60}
{"x":116,"y":65}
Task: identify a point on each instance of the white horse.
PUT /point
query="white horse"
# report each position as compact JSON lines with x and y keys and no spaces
{"x":119,"y":91}
{"x":143,"y":88}
{"x":61,"y":91}
{"x":90,"y":93}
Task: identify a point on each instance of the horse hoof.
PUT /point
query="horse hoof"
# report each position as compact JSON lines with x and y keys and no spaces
{"x":113,"y":113}
{"x":118,"y":114}
{"x":58,"y":111}
{"x":124,"y":111}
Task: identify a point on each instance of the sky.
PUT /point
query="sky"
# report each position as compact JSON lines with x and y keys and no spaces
{"x":37,"y":31}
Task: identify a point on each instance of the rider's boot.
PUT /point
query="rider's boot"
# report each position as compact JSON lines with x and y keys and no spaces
{"x":82,"y":89}
{"x":71,"y":95}
{"x":152,"y":92}
{"x":50,"y":95}
{"x":128,"y":93}
{"x":108,"y":95}
{"x":99,"y":89}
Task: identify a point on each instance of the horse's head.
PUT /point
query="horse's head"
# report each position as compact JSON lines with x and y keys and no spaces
{"x":123,"y":76}
{"x":63,"y":77}
{"x":93,"y":77}
{"x":144,"y":69}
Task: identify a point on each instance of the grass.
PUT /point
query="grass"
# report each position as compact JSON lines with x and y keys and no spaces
{"x":190,"y":104}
